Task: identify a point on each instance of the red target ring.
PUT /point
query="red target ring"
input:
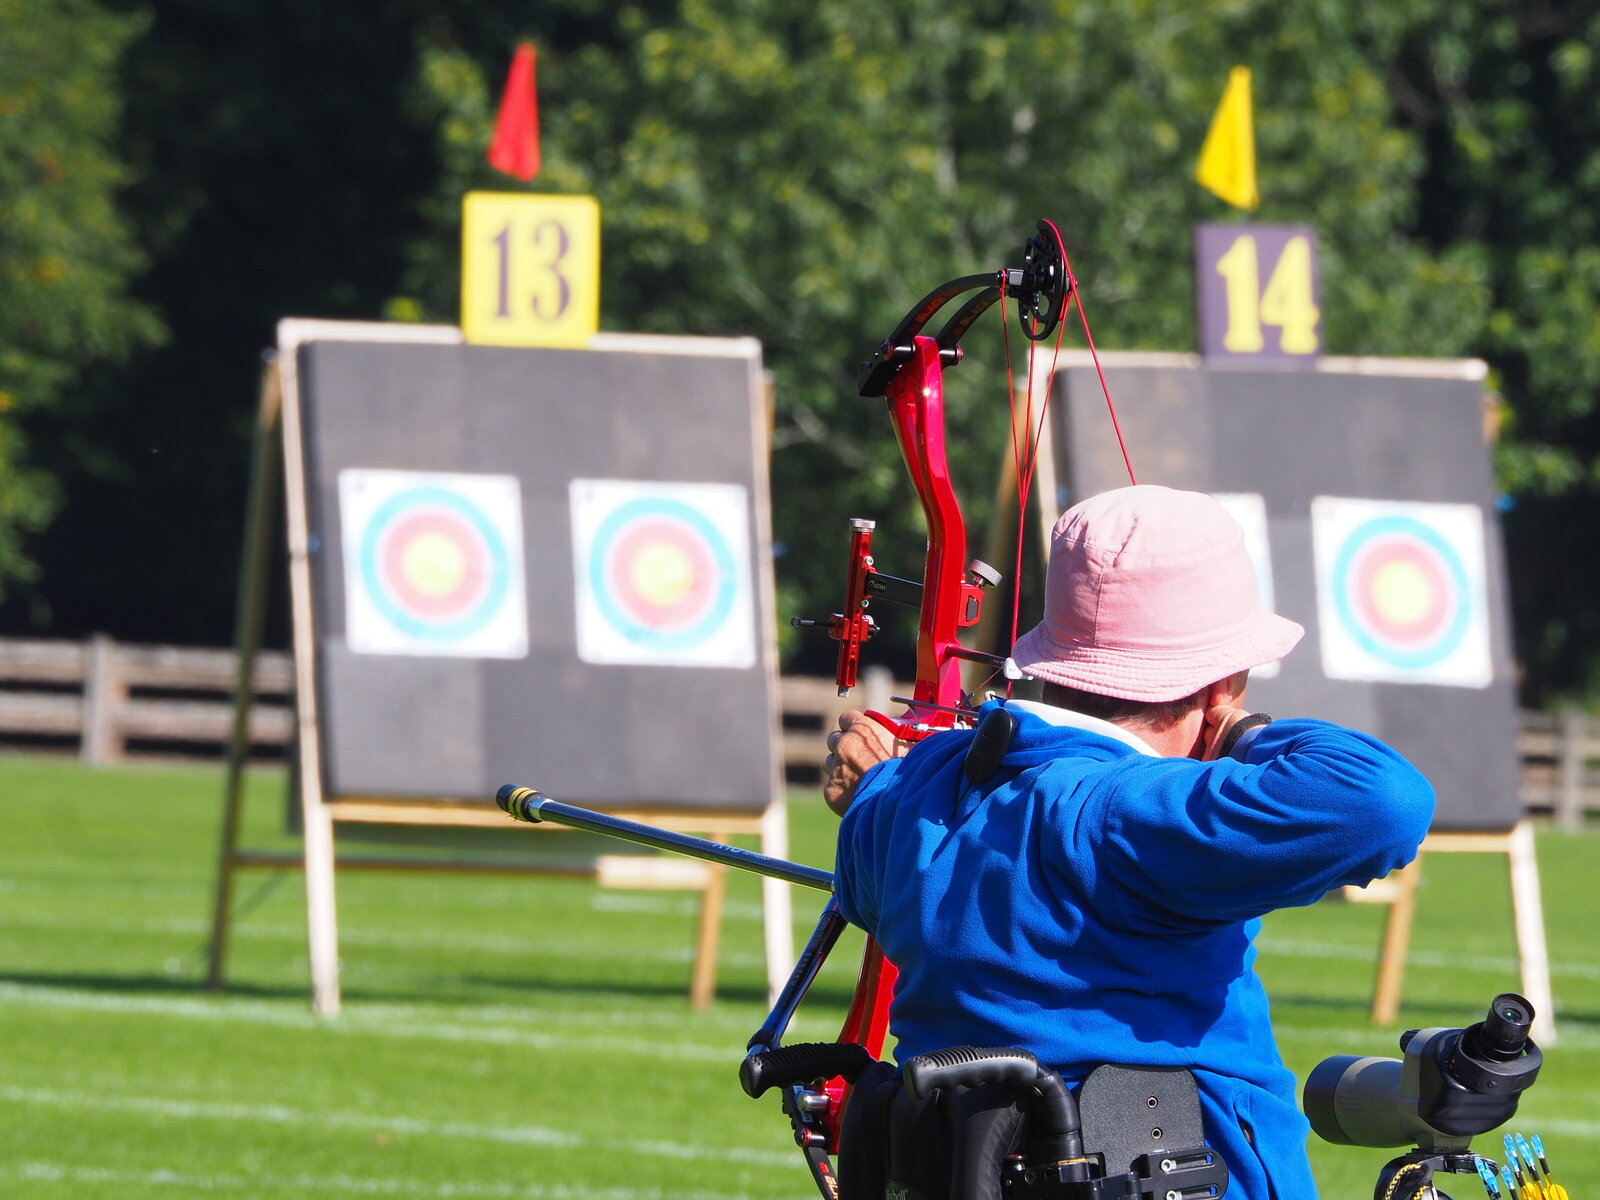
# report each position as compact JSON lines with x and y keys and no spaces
{"x":1403,"y":591}
{"x":434,"y":564}
{"x":662,"y":574}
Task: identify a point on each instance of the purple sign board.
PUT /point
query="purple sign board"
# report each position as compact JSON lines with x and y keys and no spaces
{"x":1259,"y":294}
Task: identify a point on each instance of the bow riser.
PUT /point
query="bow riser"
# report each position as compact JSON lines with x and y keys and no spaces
{"x":949,"y":602}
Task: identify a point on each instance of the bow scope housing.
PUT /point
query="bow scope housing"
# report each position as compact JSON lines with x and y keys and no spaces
{"x":1451,"y":1085}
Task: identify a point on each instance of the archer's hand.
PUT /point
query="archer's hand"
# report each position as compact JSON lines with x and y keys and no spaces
{"x":1220,"y":718}
{"x":859,"y":744}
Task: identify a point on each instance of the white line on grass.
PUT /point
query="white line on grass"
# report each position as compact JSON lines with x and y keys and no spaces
{"x":54,"y":1172}
{"x":1565,"y":1126}
{"x":807,"y":908}
{"x":531,"y":946}
{"x":1497,"y":964}
{"x":353,"y":1022}
{"x":278,"y":1114}
{"x":674,"y":906}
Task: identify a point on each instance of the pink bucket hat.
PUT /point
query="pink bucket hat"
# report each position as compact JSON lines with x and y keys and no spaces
{"x":1150,"y":595}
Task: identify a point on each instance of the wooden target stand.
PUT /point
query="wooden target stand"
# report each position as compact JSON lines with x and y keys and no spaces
{"x":1398,"y":890}
{"x":321,"y":814}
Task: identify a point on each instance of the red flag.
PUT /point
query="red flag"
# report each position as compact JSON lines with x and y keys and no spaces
{"x":515,"y":149}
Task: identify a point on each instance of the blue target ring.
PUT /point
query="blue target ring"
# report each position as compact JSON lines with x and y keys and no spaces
{"x":614,"y":529}
{"x":1402,"y":529}
{"x":382,"y":591}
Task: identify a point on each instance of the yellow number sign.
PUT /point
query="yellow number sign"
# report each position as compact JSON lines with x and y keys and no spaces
{"x":1236,"y":310}
{"x":530,"y":269}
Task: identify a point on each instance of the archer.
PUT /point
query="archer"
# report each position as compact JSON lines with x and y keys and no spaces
{"x":1084,"y":877}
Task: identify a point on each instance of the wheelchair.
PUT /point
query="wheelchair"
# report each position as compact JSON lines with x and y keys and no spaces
{"x":970,"y":1123}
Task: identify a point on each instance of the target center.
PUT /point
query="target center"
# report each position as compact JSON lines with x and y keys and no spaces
{"x":662,"y":574}
{"x":433,"y":564}
{"x":1402,"y":593}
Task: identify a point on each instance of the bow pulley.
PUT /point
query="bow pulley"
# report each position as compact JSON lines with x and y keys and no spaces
{"x":1040,"y":287}
{"x":1043,"y":284}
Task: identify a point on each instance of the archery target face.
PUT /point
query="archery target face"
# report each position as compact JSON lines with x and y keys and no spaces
{"x":1250,"y":510}
{"x":433,"y":564}
{"x":1401,"y":591}
{"x":663,"y":573}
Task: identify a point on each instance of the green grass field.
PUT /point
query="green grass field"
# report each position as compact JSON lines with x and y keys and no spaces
{"x":515,"y":1037}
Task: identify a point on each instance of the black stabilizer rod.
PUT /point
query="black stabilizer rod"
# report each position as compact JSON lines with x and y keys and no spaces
{"x":526,"y":804}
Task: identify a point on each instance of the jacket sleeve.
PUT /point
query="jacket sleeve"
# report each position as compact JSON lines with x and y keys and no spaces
{"x":1313,"y":808}
{"x":857,"y":863}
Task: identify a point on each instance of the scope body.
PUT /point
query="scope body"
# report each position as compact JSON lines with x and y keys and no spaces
{"x":1451,"y":1084}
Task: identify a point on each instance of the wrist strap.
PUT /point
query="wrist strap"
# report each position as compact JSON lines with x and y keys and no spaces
{"x":1235,"y":740}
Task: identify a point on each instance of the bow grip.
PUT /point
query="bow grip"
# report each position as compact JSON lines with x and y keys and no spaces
{"x":803,"y":1062}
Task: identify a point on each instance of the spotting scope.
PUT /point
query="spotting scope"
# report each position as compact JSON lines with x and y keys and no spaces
{"x":1450,"y":1085}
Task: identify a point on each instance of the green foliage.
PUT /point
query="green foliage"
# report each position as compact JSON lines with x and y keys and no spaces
{"x":802,"y":174}
{"x":1508,"y":99}
{"x":805,"y":177}
{"x":65,"y":254}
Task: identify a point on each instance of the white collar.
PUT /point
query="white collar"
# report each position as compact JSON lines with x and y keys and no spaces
{"x":1066,"y":718}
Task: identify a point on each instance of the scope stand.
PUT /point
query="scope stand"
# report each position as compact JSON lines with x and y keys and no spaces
{"x":1410,"y":1177}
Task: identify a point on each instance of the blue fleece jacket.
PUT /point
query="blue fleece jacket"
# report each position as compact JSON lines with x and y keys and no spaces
{"x":1099,"y":905}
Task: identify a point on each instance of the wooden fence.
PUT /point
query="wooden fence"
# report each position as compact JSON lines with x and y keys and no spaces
{"x":108,"y":702}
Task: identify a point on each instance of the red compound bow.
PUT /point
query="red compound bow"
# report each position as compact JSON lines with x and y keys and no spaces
{"x":908,"y":371}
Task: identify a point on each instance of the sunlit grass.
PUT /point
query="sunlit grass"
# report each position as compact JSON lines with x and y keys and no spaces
{"x":516,"y":1037}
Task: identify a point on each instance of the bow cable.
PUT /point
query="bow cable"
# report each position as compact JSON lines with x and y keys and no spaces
{"x":1025,"y":452}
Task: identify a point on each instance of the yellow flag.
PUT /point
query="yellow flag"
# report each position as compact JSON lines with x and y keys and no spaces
{"x":1227,"y":163}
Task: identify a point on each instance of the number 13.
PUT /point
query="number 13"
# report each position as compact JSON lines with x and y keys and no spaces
{"x":551,"y":242}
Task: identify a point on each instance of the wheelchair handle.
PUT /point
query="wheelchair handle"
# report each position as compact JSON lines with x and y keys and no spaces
{"x":804,"y":1062}
{"x":1059,"y":1136}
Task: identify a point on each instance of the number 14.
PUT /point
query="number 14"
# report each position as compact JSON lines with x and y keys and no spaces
{"x":1287,"y":301}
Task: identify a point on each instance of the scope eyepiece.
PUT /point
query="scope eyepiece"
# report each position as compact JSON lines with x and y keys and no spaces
{"x":1504,"y":1032}
{"x":1496,"y":1057}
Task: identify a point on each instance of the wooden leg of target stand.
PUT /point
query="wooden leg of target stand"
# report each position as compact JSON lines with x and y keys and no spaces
{"x":1527,"y":912}
{"x":1401,"y":892}
{"x":1533,"y":955}
{"x":703,"y":983}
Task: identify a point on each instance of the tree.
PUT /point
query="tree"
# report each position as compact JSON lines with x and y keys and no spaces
{"x":802,"y":174}
{"x":66,"y":256}
{"x":1506,"y":99}
{"x":805,"y":175}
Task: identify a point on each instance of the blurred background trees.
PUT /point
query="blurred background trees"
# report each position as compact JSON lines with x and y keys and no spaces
{"x":67,"y":253}
{"x":798,"y":173}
